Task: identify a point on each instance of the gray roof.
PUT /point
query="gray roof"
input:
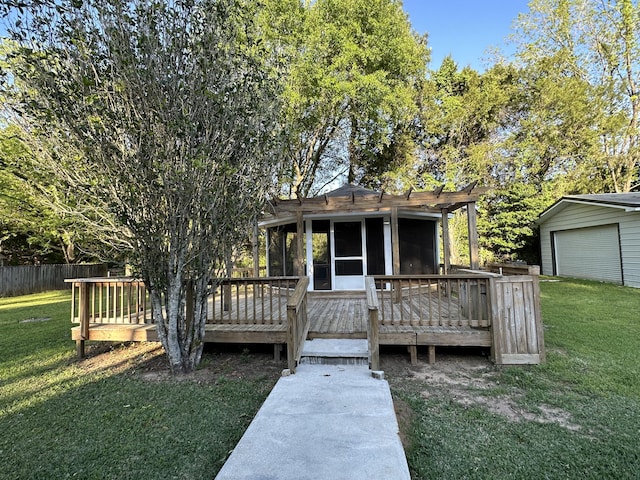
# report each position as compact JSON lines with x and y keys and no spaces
{"x":623,"y":199}
{"x":627,"y":201}
{"x":348,"y":189}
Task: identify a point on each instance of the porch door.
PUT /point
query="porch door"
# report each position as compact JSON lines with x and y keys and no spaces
{"x":348,"y":255}
{"x":321,"y":255}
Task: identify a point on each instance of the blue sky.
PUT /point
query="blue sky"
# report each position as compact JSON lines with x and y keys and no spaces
{"x":464,"y":28}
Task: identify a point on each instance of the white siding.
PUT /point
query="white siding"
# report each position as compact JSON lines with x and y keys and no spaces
{"x":575,"y":215}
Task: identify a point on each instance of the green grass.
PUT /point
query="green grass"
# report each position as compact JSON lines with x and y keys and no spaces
{"x":590,"y":384}
{"x":60,"y":419}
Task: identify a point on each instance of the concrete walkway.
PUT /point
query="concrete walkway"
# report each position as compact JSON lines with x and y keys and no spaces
{"x":326,"y":422}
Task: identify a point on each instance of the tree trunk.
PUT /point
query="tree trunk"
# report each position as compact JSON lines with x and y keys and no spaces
{"x":352,"y":151}
{"x":182,"y":337}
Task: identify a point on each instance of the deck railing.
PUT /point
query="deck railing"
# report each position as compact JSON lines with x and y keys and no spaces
{"x":118,"y":300}
{"x":471,"y":300}
{"x":434,"y":300}
{"x":271,"y":301}
{"x":124,"y":300}
{"x":297,"y":323}
{"x":251,"y":301}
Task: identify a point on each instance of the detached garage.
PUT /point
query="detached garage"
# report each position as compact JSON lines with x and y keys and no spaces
{"x":595,"y":237}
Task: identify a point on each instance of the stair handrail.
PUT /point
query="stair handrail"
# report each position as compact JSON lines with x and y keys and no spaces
{"x":297,"y":323}
{"x":373,"y":337}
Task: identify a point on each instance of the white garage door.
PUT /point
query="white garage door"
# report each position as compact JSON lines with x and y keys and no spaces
{"x":592,"y":253}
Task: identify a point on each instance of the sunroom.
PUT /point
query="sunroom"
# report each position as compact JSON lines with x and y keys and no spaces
{"x":339,"y":238}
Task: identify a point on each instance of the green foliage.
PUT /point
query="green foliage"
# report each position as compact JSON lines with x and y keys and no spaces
{"x":159,"y":122}
{"x":31,"y":230}
{"x":359,"y":101}
{"x":562,"y":119}
{"x":581,"y":59}
{"x":506,"y":223}
{"x":463,"y":121}
{"x":351,"y":85}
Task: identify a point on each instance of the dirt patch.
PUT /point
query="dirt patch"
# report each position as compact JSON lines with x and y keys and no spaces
{"x":507,"y":406}
{"x":470,"y":380}
{"x":118,"y":358}
{"x":149,"y":362}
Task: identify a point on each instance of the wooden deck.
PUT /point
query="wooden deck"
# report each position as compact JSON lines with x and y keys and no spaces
{"x":431,"y":310}
{"x":337,"y":316}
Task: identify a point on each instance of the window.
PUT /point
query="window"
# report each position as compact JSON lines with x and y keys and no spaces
{"x":348,"y":238}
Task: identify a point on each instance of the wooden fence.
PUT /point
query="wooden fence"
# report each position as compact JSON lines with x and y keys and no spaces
{"x":25,"y":279}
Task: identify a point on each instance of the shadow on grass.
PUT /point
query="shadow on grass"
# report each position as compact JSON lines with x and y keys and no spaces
{"x":115,"y":414}
{"x":86,"y":421}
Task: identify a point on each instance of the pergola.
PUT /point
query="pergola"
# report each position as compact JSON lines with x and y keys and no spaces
{"x":350,"y":198}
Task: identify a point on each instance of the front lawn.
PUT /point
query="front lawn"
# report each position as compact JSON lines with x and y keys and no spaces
{"x":576,"y":416}
{"x":117,"y":414}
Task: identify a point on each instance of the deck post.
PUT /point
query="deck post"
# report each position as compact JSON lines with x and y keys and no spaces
{"x":292,"y":339}
{"x":395,"y":250}
{"x":299,"y":262}
{"x":474,"y":261}
{"x":395,"y":241}
{"x":374,"y":340}
{"x":373,"y":328}
{"x":413,"y":354}
{"x":84,"y":318}
{"x":446,"y":246}
{"x":432,"y":354}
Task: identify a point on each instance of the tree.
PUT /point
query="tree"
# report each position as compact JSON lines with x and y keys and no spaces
{"x":465,"y":122}
{"x":582,"y":58}
{"x":32,"y":230}
{"x":169,"y":111}
{"x":352,"y":81}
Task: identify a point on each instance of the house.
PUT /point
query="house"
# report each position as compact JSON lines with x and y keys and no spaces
{"x":339,"y":238}
{"x":594,"y":237}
